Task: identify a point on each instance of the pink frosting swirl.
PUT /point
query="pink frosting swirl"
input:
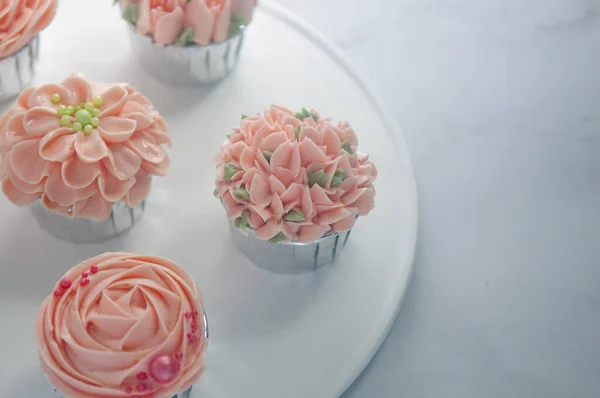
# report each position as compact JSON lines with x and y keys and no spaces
{"x":207,"y":20}
{"x":21,"y":20}
{"x":111,"y":318}
{"x":82,"y":174}
{"x":294,"y":176}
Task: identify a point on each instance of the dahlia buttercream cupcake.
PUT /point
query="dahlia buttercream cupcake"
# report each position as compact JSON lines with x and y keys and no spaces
{"x":293,"y":185}
{"x":185,"y":42}
{"x":122,"y":325}
{"x":21,"y":21}
{"x":82,"y":155}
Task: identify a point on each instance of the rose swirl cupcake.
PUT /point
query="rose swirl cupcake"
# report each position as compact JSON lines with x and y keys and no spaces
{"x":183,"y":42}
{"x":82,"y":155}
{"x":21,"y":21}
{"x":293,"y":185}
{"x":122,"y":325}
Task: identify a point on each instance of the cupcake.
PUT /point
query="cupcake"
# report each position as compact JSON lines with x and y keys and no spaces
{"x":122,"y":325}
{"x":293,"y":185}
{"x":21,"y":21}
{"x":183,"y":42}
{"x":82,"y":156}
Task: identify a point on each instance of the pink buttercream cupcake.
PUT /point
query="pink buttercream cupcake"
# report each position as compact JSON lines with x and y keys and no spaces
{"x":293,"y":184}
{"x":83,"y":155}
{"x":20,"y":23}
{"x":183,"y":42}
{"x":122,"y":325}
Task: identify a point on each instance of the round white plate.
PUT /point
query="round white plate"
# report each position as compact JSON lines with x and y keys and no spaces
{"x":272,"y":336}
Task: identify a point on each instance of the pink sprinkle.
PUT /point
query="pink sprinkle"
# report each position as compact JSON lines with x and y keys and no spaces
{"x":179,"y":356}
{"x":188,"y":315}
{"x":195,"y":314}
{"x":94,"y":269}
{"x":141,"y":387}
{"x":128,"y":390}
{"x":142,"y":376}
{"x":84,"y":282}
{"x":194,"y":326}
{"x":84,"y":275}
{"x":65,"y":283}
{"x":58,"y":293}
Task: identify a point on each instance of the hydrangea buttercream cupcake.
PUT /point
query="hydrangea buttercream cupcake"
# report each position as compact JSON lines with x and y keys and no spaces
{"x":293,"y":185}
{"x":82,"y":154}
{"x":21,"y":21}
{"x":122,"y":325}
{"x":187,"y":41}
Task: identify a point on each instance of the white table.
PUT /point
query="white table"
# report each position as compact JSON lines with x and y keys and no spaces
{"x":500,"y":104}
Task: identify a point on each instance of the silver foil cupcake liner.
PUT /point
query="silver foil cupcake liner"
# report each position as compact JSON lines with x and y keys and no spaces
{"x":82,"y":230}
{"x":17,"y":71}
{"x":183,"y":66}
{"x":289,"y":257}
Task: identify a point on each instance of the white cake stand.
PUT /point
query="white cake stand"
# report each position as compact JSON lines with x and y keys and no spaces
{"x":272,"y":336}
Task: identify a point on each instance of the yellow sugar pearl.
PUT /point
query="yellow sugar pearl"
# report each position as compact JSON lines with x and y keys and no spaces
{"x":55,"y":98}
{"x":77,"y":127}
{"x":89,"y":129}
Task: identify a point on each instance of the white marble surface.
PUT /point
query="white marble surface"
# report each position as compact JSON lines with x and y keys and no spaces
{"x":500,"y":104}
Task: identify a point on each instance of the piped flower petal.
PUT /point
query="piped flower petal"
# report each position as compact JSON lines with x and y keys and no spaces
{"x":58,"y":145}
{"x":113,"y":101}
{"x":16,"y":196}
{"x":42,"y":96}
{"x":40,"y":120}
{"x":116,"y":129}
{"x":140,"y":190}
{"x":91,"y":148}
{"x":113,"y":189}
{"x":78,"y":88}
{"x":144,"y":145}
{"x":77,"y":174}
{"x":122,"y":162}
{"x":26,"y":162}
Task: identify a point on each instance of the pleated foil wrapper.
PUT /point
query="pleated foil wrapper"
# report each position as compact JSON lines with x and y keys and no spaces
{"x":83,"y":230}
{"x":289,"y":257}
{"x":17,"y":71}
{"x":185,"y":66}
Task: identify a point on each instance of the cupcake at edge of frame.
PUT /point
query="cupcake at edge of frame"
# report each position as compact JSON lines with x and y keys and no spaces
{"x":21,"y":22}
{"x":123,"y":325}
{"x":183,"y":42}
{"x":293,"y":186}
{"x":81,"y":155}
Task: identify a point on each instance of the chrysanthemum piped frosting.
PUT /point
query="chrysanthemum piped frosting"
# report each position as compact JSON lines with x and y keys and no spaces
{"x":122,"y":325}
{"x":21,"y":20}
{"x":80,"y":147}
{"x":294,"y":176}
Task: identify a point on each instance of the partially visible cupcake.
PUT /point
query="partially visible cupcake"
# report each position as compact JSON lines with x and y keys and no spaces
{"x":21,"y":21}
{"x":122,"y":325}
{"x":184,"y":42}
{"x":293,"y":185}
{"x":82,"y":155}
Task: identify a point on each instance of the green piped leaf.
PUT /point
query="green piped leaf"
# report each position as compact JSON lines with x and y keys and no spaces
{"x":242,"y":193}
{"x":268,"y":155}
{"x":238,"y":21}
{"x":230,"y":171}
{"x":280,"y":237}
{"x":298,"y":130}
{"x":317,"y":177}
{"x":338,"y":177}
{"x":242,"y":221}
{"x":216,"y":193}
{"x":244,"y":116}
{"x":185,"y":37}
{"x":131,"y":12}
{"x":347,"y":147}
{"x":294,"y":215}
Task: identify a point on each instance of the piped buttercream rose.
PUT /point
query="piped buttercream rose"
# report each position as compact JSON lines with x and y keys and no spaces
{"x":294,"y":176}
{"x":21,"y":20}
{"x":80,"y":147}
{"x":122,"y":325}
